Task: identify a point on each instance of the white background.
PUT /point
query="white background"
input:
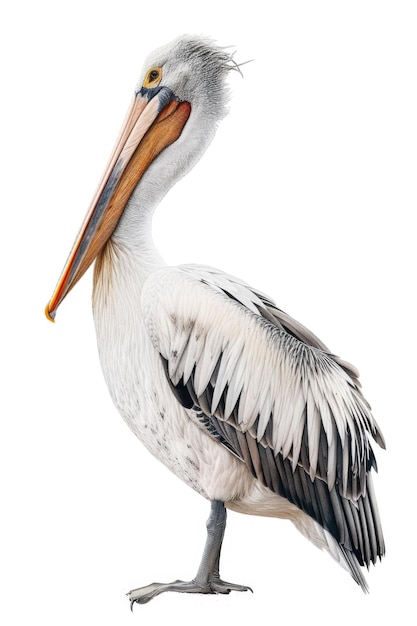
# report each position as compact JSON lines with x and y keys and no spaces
{"x":308,"y":192}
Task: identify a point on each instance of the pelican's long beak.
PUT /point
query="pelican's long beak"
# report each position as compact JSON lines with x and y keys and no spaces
{"x":151,"y":125}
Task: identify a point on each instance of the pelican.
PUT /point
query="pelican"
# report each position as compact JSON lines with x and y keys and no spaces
{"x":239,"y":400}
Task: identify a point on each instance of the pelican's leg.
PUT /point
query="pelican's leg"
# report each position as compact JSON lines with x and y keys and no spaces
{"x":207,"y":579}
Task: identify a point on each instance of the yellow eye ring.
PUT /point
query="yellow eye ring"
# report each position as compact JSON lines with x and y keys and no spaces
{"x":153,"y":77}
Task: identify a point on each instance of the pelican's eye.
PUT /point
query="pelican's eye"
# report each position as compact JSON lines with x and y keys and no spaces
{"x":153,"y":77}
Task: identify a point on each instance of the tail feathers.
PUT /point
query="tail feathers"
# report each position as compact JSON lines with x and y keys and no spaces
{"x":325,"y":541}
{"x":351,"y":564}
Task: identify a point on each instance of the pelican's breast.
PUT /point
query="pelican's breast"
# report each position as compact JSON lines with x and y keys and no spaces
{"x":139,"y":388}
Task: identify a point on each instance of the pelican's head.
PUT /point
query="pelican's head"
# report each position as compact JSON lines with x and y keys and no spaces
{"x":194,"y":68}
{"x":179,"y":99}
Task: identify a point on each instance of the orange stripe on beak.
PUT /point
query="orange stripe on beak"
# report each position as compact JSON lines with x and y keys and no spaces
{"x":147,"y":131}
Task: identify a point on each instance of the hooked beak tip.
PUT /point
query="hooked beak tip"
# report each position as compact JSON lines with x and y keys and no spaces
{"x":50,"y":315}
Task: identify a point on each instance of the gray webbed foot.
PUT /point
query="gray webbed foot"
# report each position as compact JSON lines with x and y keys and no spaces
{"x":142,"y":595}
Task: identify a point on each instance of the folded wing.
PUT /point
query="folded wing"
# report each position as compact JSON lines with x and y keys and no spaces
{"x":271,"y":392}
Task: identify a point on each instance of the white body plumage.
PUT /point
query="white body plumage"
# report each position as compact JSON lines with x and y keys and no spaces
{"x":130,"y":318}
